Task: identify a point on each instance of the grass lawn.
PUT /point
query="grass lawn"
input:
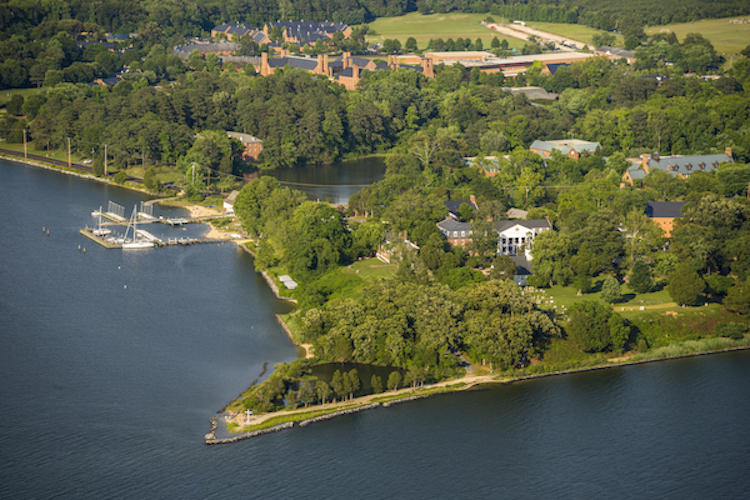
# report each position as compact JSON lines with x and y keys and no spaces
{"x":628,"y":307}
{"x":444,"y":26}
{"x":455,"y":25}
{"x":371,"y":268}
{"x":728,"y":38}
{"x":578,"y":32}
{"x":5,"y":95}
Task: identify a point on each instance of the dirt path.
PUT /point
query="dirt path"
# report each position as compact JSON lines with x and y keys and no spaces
{"x":468,"y":381}
{"x":524,"y":32}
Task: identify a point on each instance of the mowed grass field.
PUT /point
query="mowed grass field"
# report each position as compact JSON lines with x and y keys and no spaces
{"x":577,"y":32}
{"x":444,"y":26}
{"x":456,"y":25}
{"x":728,"y":38}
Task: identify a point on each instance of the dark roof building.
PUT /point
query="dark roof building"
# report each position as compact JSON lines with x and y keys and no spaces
{"x":455,"y":206}
{"x":680,"y":166}
{"x":664,"y":213}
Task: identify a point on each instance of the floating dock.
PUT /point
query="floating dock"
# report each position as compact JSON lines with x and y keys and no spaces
{"x":117,"y":243}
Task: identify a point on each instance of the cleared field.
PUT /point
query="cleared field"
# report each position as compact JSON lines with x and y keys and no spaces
{"x":444,"y":26}
{"x":6,"y":94}
{"x":574,"y":31}
{"x":728,"y":38}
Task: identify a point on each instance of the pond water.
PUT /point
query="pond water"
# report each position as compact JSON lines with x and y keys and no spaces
{"x":335,"y":183}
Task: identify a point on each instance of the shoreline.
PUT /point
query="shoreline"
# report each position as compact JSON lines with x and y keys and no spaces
{"x":332,"y":410}
{"x":195,"y":211}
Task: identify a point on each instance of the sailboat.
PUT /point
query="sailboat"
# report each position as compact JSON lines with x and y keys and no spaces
{"x":135,"y":243}
{"x":101,"y":231}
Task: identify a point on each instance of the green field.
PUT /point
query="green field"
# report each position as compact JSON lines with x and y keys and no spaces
{"x":6,"y":94}
{"x":728,"y":38}
{"x":444,"y":26}
{"x":577,"y":32}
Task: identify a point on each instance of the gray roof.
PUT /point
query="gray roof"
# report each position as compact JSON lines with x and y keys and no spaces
{"x":184,"y":51}
{"x":455,"y":206}
{"x":565,"y":146}
{"x":244,"y":138}
{"x":636,"y":172}
{"x":294,"y":62}
{"x":664,"y":208}
{"x":686,"y":165}
{"x":533,"y":93}
{"x":523,"y":267}
{"x":502,"y":225}
{"x":453,"y":225}
{"x":309,"y":31}
{"x":449,"y":224}
{"x":616,"y":52}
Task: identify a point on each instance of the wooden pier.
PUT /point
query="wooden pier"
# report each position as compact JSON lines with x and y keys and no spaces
{"x":89,"y":233}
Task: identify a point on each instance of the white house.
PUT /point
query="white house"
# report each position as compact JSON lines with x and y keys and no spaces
{"x":516,"y":237}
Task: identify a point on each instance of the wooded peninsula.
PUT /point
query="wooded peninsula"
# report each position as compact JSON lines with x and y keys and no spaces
{"x":543,"y":208}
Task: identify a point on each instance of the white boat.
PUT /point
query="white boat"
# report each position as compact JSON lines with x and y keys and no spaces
{"x":135,"y":243}
{"x":101,"y":231}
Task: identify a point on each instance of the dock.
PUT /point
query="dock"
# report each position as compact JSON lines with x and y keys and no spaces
{"x":114,"y":243}
{"x":114,"y":216}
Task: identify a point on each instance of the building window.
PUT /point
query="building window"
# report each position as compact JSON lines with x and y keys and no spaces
{"x":463,"y":234}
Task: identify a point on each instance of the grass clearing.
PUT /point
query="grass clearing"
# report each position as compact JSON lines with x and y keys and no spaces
{"x":444,"y":26}
{"x":728,"y":38}
{"x":6,"y":94}
{"x":371,"y":268}
{"x":579,"y":32}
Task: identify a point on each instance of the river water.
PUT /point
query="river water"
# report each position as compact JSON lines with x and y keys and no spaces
{"x":112,"y":364}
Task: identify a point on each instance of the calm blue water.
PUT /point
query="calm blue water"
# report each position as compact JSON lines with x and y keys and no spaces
{"x":112,"y":364}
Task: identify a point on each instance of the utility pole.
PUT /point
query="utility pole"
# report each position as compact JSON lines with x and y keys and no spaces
{"x":25,"y":152}
{"x":70,"y":163}
{"x":105,"y":160}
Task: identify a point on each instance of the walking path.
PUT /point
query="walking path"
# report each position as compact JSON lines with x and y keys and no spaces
{"x":467,"y":381}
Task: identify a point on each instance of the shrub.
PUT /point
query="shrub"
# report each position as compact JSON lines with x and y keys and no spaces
{"x":735,"y":331}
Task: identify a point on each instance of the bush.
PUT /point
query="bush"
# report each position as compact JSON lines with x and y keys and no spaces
{"x":121,"y":177}
{"x":738,"y":298}
{"x":735,"y":331}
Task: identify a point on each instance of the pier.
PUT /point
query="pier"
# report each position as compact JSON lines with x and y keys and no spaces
{"x":117,"y":243}
{"x":115,"y":216}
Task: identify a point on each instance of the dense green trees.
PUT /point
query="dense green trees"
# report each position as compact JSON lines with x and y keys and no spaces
{"x":595,"y":328}
{"x":685,"y":285}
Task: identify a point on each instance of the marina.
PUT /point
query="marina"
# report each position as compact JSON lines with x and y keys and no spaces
{"x":114,"y":217}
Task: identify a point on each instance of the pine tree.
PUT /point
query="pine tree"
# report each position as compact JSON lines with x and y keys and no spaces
{"x":611,"y":290}
{"x":684,"y":284}
{"x":640,"y":277}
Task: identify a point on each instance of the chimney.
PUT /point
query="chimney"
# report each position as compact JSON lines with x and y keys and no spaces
{"x":645,"y":158}
{"x":728,"y":151}
{"x":326,"y":69}
{"x":473,"y":199}
{"x":319,"y":67}
{"x":264,"y":69}
{"x":355,"y":74}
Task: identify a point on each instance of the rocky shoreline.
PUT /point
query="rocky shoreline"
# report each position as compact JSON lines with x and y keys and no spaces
{"x":472,"y":384}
